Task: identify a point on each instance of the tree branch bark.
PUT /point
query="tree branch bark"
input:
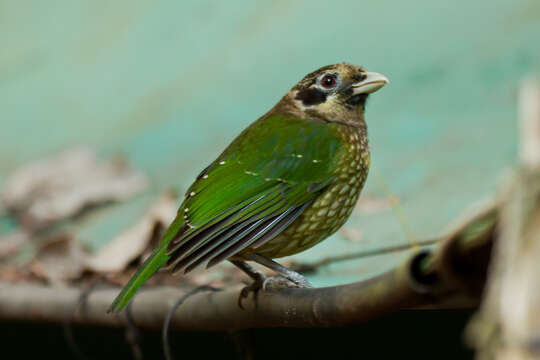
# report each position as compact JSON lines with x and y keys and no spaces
{"x":426,"y":279}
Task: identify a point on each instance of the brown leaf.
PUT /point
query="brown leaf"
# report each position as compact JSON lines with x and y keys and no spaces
{"x":12,"y":274}
{"x":132,"y":243}
{"x":59,"y":261}
{"x":64,"y":185}
{"x":11,"y":243}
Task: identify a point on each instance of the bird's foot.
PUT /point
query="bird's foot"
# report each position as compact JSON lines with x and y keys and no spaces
{"x":254,"y":288}
{"x":281,"y":282}
{"x":271,"y":283}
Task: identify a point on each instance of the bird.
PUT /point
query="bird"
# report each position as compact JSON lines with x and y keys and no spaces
{"x":287,"y":182}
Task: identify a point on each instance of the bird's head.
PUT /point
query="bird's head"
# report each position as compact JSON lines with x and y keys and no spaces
{"x":334,"y":93}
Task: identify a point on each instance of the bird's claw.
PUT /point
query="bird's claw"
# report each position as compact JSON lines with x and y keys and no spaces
{"x":268,"y":284}
{"x":254,"y":287}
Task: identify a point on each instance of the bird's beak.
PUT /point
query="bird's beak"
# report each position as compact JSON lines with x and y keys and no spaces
{"x":373,"y":82}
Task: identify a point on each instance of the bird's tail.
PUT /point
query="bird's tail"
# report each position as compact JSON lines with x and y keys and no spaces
{"x":158,"y":258}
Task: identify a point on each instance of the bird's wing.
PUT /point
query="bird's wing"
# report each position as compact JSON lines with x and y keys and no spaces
{"x":261,"y":183}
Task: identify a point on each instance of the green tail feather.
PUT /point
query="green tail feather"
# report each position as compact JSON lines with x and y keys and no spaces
{"x":147,"y":269}
{"x":150,"y":266}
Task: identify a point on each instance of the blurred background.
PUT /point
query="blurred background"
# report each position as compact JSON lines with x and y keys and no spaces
{"x":169,"y":84}
{"x":166,"y":85}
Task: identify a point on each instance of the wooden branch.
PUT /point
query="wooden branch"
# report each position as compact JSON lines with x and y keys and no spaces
{"x":508,"y":322}
{"x":331,"y":306}
{"x":424,"y":280}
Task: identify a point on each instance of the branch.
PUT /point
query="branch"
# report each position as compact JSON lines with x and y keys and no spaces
{"x":331,"y":306}
{"x":314,"y":266}
{"x":424,"y":280}
{"x":481,"y":215}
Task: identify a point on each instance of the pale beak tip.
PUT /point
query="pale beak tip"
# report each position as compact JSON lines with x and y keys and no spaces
{"x":373,"y":82}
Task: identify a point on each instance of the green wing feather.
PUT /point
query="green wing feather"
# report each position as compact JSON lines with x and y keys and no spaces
{"x":261,"y":182}
{"x":147,"y":269}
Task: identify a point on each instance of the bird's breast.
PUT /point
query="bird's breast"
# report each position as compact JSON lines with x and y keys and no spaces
{"x":333,"y":207}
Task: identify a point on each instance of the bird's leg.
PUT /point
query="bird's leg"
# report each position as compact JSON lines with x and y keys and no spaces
{"x":297,"y":279}
{"x":256,"y":275}
{"x":287,"y":278}
{"x":257,"y":284}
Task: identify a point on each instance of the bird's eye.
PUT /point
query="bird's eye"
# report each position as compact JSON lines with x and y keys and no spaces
{"x":328,"y":81}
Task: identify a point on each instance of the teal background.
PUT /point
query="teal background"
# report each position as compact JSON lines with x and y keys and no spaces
{"x":170,"y":83}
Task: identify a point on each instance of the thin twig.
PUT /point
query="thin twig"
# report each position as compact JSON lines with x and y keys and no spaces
{"x":133,"y":335}
{"x":166,"y":324}
{"x":314,"y":266}
{"x":68,"y":330}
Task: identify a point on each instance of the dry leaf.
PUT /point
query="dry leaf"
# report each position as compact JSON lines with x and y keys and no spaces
{"x":12,"y":274}
{"x":59,"y":261}
{"x":11,"y":243}
{"x":64,"y":185}
{"x":133,"y":242}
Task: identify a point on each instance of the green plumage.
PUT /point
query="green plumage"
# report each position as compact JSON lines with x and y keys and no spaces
{"x":273,"y":151}
{"x":285,"y":160}
{"x":285,"y":183}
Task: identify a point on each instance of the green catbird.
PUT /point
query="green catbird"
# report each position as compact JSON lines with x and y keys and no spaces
{"x":287,"y":182}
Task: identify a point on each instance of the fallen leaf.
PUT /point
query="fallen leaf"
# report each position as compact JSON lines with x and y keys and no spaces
{"x":132,"y":243}
{"x":58,"y":261}
{"x":12,"y":274}
{"x":11,"y":243}
{"x":63,"y":186}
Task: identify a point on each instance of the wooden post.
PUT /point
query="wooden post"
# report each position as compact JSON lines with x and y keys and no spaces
{"x":508,"y":324}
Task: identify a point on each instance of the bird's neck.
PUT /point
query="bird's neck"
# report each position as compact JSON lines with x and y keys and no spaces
{"x":355,"y":134}
{"x":348,"y":116}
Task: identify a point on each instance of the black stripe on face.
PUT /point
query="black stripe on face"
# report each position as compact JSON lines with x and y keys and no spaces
{"x":311,"y":96}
